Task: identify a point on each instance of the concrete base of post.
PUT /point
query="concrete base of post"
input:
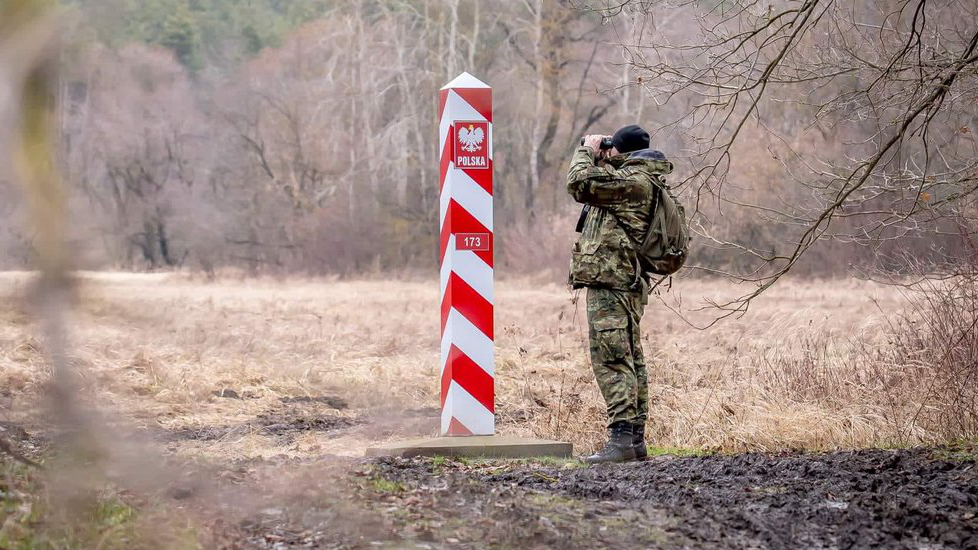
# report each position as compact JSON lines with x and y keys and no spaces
{"x":488,"y":446}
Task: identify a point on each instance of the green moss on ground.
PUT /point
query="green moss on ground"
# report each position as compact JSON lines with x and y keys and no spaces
{"x":385,"y":486}
{"x":34,"y":518}
{"x":678,"y":451}
{"x":965,"y":450}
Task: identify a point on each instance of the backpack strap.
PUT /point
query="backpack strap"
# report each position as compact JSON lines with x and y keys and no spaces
{"x":662,"y":222}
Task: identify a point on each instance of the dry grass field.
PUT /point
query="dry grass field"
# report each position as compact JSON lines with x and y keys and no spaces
{"x":224,"y":368}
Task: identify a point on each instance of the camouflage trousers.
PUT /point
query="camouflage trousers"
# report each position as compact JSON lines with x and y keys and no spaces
{"x":616,"y":352}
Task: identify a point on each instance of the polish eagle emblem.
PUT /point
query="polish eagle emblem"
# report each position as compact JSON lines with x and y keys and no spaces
{"x":471,"y":138}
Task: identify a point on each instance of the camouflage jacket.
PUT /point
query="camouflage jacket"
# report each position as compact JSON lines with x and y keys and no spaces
{"x":620,"y":195}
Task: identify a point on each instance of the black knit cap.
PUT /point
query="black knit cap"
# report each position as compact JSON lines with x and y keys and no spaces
{"x":630,"y":138}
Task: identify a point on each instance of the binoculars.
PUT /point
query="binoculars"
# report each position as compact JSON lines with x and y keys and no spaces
{"x":604,"y":145}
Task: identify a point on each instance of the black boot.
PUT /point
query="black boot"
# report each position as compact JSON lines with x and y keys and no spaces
{"x":638,"y":441}
{"x":620,"y":447}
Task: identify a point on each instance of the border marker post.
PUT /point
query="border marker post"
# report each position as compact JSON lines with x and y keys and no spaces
{"x":467,"y":290}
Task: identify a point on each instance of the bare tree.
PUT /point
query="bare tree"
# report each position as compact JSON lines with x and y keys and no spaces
{"x":865,"y":110}
{"x":317,"y":154}
{"x":132,"y":132}
{"x":544,"y":38}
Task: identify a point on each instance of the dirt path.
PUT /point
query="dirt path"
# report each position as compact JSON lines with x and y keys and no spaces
{"x":919,"y":499}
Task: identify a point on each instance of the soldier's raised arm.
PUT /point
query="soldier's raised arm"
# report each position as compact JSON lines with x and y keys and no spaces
{"x":596,"y":185}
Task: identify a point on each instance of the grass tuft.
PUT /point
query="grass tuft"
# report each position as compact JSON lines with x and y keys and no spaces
{"x":678,"y":451}
{"x":385,"y":486}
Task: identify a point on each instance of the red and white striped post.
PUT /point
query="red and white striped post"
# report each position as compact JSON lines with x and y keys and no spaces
{"x":467,"y":348}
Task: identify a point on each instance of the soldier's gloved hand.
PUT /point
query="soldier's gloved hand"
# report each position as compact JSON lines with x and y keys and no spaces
{"x":593,"y":141}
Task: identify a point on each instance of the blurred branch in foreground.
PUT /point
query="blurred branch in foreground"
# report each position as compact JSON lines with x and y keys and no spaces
{"x":31,"y":77}
{"x":75,"y":469}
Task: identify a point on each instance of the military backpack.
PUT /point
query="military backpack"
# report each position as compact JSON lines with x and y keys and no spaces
{"x":666,"y":244}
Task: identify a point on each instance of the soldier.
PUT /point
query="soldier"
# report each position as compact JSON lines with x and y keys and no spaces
{"x":615,"y":185}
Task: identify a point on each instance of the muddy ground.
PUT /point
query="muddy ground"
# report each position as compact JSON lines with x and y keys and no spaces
{"x":892,"y":499}
{"x":924,"y":498}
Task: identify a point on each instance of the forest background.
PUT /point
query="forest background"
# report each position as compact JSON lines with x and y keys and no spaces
{"x":298,"y":136}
